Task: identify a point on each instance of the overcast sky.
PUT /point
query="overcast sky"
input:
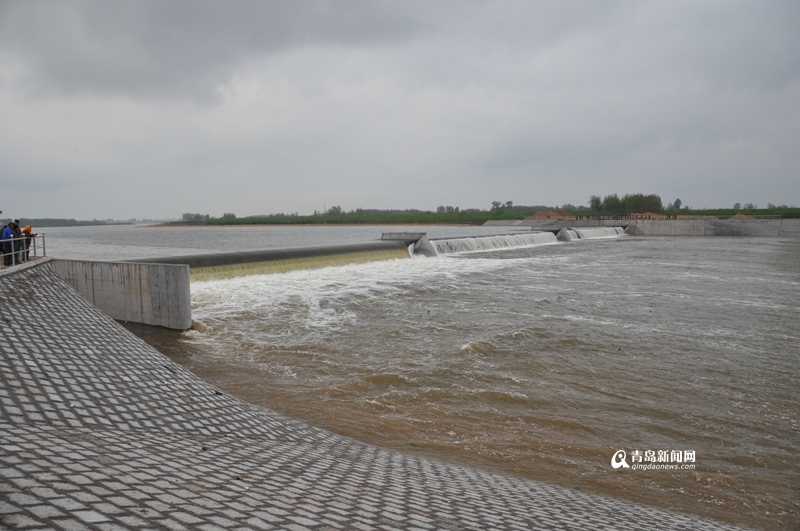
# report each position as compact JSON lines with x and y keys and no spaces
{"x":152,"y":109}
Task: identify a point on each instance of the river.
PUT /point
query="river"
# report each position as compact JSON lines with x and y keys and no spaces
{"x":539,"y":361}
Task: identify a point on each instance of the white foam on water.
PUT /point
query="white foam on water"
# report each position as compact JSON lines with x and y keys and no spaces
{"x":595,"y":233}
{"x":493,"y":243}
{"x":288,"y":308}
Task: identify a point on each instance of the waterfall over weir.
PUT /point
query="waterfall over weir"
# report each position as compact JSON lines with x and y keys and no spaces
{"x":568,"y":235}
{"x":391,"y":246}
{"x":489,"y":243}
{"x":226,"y":265}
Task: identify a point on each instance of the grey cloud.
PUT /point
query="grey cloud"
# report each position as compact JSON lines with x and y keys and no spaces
{"x":368,"y":102}
{"x":725,"y":44}
{"x":188,"y":48}
{"x":184,"y":48}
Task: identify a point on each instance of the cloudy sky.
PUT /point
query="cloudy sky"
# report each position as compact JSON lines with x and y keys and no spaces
{"x":119,"y":109}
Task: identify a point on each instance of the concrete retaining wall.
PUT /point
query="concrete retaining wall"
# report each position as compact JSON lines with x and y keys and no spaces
{"x":787,"y":228}
{"x":717,"y":227}
{"x":152,"y":294}
{"x":670,"y":227}
{"x":790,"y":228}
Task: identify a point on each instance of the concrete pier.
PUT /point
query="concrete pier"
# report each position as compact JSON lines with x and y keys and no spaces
{"x":151,"y":294}
{"x":422,"y":246}
{"x":100,"y":431}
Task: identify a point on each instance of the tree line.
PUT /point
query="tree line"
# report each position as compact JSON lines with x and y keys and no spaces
{"x":613,"y":205}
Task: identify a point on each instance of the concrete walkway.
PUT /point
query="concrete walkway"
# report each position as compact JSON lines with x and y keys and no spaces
{"x":100,"y":431}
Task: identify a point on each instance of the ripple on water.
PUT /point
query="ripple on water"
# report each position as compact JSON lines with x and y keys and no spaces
{"x":540,"y":362}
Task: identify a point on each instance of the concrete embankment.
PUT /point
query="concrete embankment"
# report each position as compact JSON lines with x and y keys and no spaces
{"x":787,"y":228}
{"x":717,"y":227}
{"x":100,"y":431}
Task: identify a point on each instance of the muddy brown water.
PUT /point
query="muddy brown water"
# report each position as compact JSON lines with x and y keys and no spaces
{"x":539,"y":361}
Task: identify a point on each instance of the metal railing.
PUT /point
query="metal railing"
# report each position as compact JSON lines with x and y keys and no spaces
{"x":661,"y":217}
{"x":21,"y":250}
{"x":754,"y":216}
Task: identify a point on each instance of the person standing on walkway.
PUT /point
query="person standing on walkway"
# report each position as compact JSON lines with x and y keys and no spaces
{"x":18,"y":242}
{"x":29,"y":236}
{"x":8,"y":247}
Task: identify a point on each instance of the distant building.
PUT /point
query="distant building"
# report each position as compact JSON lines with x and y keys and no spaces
{"x":552,"y":214}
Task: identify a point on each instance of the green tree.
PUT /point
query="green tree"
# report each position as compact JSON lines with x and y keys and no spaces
{"x":595,"y":204}
{"x":677,"y":204}
{"x":335,"y":211}
{"x":612,"y":206}
{"x":195,"y":217}
{"x":639,"y":203}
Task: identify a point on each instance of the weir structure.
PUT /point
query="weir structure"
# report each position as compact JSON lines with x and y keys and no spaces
{"x":569,"y":234}
{"x":100,"y":431}
{"x":156,"y":291}
{"x":224,"y":265}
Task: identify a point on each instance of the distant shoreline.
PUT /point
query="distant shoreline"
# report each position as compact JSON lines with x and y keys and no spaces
{"x":171,"y":225}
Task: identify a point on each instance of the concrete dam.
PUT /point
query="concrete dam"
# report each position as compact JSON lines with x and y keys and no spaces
{"x":224,"y":265}
{"x":156,"y":291}
{"x":100,"y":431}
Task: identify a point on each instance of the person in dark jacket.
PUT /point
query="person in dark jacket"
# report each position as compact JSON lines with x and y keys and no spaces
{"x":18,"y":242}
{"x":8,"y":234}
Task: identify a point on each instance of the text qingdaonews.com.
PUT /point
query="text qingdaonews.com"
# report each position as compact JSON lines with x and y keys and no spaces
{"x":662,"y":467}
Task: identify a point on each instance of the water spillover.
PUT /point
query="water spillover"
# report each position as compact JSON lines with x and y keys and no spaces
{"x":521,"y":354}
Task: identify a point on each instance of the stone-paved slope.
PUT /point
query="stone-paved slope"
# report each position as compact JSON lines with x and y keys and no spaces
{"x":100,"y":431}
